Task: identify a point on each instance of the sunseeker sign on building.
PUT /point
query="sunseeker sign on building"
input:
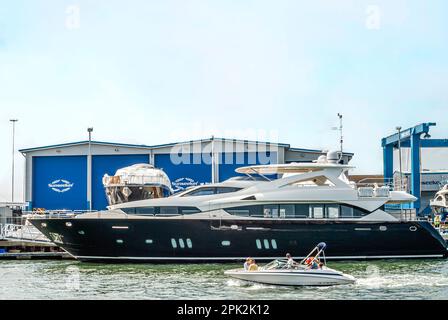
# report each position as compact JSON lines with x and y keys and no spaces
{"x":61,"y":185}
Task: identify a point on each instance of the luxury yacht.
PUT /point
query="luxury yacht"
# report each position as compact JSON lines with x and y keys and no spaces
{"x":137,"y":182}
{"x":270,"y":210}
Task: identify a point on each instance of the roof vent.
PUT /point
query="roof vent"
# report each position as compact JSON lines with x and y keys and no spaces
{"x":250,"y":198}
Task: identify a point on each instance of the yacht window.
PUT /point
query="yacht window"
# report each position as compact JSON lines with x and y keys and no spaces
{"x":287,"y":211}
{"x":128,"y":210}
{"x":332,"y":211}
{"x":226,"y":189}
{"x":225,"y":243}
{"x":274,"y":244}
{"x":168,"y":211}
{"x":173,"y":243}
{"x":352,"y":212}
{"x":357,"y":212}
{"x":201,"y":192}
{"x":206,"y":191}
{"x":258,"y":242}
{"x":189,"y":243}
{"x":148,"y":241}
{"x":317,"y":212}
{"x":270,"y":211}
{"x":302,"y":210}
{"x":189,"y":210}
{"x":243,"y":212}
{"x":266,"y":243}
{"x":145,"y":211}
{"x":181,"y":243}
{"x":346,"y":212}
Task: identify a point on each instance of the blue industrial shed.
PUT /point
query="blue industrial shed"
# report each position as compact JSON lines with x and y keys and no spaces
{"x":69,"y":176}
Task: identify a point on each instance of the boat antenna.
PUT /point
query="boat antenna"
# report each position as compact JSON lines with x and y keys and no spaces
{"x":341,"y":140}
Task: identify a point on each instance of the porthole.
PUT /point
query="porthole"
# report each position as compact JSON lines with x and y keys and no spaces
{"x":119,"y":241}
{"x":173,"y":243}
{"x":383,"y":228}
{"x":266,"y":243}
{"x":68,"y":224}
{"x":181,"y":243}
{"x":148,"y":241}
{"x":413,"y":228}
{"x":274,"y":244}
{"x":225,"y":243}
{"x":81,"y":232}
{"x":189,"y":243}
{"x":258,"y":242}
{"x":43,"y":225}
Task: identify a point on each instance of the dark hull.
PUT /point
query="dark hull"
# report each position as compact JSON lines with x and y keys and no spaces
{"x":151,"y":240}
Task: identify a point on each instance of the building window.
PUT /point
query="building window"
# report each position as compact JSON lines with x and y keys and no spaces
{"x":173,"y":243}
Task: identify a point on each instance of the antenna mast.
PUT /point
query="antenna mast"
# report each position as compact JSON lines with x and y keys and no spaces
{"x":341,"y":137}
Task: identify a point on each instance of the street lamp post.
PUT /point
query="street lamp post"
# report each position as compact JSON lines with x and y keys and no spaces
{"x":399,"y":156}
{"x":90,"y":130}
{"x":13,"y":121}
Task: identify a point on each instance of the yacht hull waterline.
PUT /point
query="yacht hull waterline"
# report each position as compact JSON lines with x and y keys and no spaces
{"x":169,"y":240}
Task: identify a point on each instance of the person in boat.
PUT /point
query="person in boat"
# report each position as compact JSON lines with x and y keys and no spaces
{"x":437,"y":221}
{"x":313,"y":263}
{"x":253,"y":266}
{"x":247,"y":263}
{"x":290,"y":261}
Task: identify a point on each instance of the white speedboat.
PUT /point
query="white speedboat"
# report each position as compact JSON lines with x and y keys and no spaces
{"x":281,"y":272}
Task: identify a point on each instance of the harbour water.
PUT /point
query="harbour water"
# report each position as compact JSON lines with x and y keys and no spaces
{"x":391,"y":279}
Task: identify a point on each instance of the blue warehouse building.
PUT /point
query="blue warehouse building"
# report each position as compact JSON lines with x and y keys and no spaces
{"x":69,"y":176}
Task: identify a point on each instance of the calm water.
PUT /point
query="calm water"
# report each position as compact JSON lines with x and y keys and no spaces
{"x":397,"y":279}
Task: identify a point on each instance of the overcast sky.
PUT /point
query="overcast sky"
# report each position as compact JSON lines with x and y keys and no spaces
{"x":152,"y":72}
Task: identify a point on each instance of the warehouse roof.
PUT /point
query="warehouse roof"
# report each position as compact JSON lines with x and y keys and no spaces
{"x":142,"y":146}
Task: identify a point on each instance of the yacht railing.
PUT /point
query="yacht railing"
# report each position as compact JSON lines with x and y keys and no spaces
{"x":21,"y":232}
{"x":129,"y":180}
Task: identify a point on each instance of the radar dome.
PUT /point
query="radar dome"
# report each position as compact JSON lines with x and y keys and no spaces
{"x":333,"y":156}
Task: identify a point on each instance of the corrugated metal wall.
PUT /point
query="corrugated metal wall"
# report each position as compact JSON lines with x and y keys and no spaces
{"x":60,"y":182}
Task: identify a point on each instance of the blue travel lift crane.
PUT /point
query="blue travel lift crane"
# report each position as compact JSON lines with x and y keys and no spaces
{"x":410,"y":138}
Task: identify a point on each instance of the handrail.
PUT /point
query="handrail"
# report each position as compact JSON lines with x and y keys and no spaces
{"x":21,"y":232}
